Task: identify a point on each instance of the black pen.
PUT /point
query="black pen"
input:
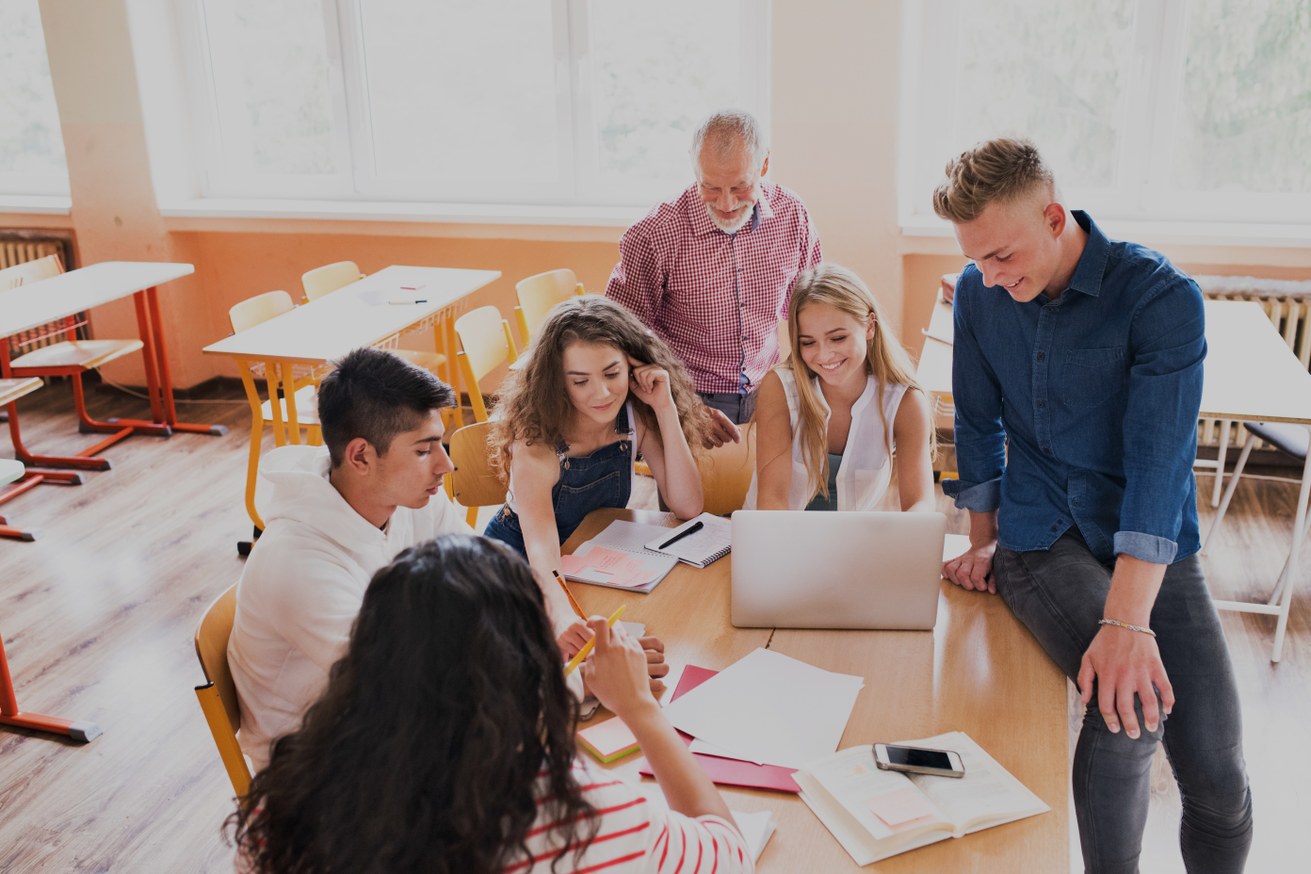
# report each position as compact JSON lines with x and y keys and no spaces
{"x":691,"y":529}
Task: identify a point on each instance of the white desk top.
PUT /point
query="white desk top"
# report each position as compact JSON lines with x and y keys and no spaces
{"x":1250,"y":373}
{"x":36,"y":304}
{"x":358,"y":315}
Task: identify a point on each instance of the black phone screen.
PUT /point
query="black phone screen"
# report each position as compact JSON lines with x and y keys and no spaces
{"x":917,"y":758}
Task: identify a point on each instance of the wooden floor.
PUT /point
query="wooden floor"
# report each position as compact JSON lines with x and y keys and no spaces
{"x":98,"y":616}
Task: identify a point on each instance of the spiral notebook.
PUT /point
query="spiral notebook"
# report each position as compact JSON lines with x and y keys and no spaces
{"x":697,"y":542}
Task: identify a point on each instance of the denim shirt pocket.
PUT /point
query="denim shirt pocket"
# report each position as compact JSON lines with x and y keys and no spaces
{"x":1093,"y":376}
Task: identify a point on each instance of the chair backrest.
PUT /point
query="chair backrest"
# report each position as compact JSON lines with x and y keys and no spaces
{"x":539,"y":293}
{"x":260,"y":308}
{"x":473,"y":482}
{"x":218,"y":697}
{"x":485,"y":342}
{"x":726,"y":473}
{"x":30,"y":271}
{"x":326,"y":279}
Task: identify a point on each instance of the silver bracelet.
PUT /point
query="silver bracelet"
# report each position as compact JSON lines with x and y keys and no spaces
{"x":1118,"y":624}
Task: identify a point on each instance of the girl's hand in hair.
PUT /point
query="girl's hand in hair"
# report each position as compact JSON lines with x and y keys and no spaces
{"x":617,"y":672}
{"x":651,"y":385}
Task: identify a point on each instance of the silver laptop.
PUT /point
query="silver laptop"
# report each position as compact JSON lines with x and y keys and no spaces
{"x":799,"y":569}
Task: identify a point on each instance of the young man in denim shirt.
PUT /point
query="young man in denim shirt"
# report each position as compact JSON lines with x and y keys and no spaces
{"x":1077,"y":378}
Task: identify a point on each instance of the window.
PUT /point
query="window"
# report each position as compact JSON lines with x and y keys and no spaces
{"x":31,"y":146}
{"x":550,"y":102}
{"x":1171,"y":110}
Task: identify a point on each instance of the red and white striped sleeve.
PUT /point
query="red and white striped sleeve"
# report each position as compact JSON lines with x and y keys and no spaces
{"x":636,"y":835}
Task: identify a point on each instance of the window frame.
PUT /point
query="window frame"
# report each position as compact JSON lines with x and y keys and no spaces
{"x":578,"y":186}
{"x":1150,"y":112}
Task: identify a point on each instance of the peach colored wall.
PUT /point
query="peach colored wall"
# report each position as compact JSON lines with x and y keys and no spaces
{"x":835,"y":73}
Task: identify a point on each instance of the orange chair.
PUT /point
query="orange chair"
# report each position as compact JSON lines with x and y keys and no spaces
{"x":473,"y":482}
{"x":726,"y":473}
{"x":69,"y":357}
{"x":538,"y":294}
{"x":486,"y":343}
{"x":218,"y":696}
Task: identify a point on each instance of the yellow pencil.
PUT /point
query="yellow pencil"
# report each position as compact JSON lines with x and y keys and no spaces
{"x":573,"y":602}
{"x":587,"y":647}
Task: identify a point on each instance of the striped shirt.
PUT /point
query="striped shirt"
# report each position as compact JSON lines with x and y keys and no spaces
{"x":717,"y":299}
{"x":637,"y":835}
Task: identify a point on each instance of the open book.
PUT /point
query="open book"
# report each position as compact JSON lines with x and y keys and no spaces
{"x":876,"y":814}
{"x":617,"y":558}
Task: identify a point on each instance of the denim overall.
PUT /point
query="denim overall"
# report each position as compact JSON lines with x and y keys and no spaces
{"x":602,"y":479}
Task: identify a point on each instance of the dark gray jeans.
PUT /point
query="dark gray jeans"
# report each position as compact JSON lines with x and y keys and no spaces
{"x":738,"y":407}
{"x":1059,"y":595}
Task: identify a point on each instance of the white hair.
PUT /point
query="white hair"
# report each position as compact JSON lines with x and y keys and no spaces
{"x":727,"y":131}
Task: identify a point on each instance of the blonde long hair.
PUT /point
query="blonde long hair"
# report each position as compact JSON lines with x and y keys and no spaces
{"x":534,"y":405}
{"x":885,"y":358}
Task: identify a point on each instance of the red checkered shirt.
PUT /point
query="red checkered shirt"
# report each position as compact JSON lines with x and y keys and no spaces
{"x":716,"y":298}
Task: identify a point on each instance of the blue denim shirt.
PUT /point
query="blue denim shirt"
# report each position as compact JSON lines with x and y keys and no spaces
{"x":1083,"y":410}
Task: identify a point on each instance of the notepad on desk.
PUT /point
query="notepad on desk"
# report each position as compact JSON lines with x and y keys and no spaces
{"x":697,"y":542}
{"x":875,"y":814}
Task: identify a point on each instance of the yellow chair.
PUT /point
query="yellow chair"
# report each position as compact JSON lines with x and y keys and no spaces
{"x":70,"y":356}
{"x":486,"y":343}
{"x":218,"y":697}
{"x":322,"y":281}
{"x":247,"y":314}
{"x":726,"y":473}
{"x":538,"y":294}
{"x":473,"y":482}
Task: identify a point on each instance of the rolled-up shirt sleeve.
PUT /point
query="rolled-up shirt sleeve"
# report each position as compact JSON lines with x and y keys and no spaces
{"x":980,"y":435}
{"x":1168,"y":341}
{"x":636,"y":281}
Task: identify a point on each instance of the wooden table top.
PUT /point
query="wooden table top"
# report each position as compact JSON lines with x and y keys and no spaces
{"x":31,"y":305}
{"x":359,"y":314}
{"x":978,"y":671}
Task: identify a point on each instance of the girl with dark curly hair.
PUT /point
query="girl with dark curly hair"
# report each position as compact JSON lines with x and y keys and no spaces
{"x":444,"y":742}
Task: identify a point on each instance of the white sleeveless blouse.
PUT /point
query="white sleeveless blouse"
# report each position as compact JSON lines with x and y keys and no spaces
{"x":866,"y":468}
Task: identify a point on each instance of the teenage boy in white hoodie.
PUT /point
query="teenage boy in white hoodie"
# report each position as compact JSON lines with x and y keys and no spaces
{"x":335,"y":514}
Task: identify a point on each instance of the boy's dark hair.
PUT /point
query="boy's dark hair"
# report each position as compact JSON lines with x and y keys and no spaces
{"x":376,"y":395}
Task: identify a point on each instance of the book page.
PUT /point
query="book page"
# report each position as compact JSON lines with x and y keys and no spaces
{"x":987,"y":795}
{"x":885,"y":803}
{"x":601,"y":565}
{"x":630,"y":536}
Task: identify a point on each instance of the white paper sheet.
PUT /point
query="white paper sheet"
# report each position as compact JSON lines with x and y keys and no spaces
{"x":769,"y":708}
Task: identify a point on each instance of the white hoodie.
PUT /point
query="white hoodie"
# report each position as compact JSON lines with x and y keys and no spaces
{"x":302,"y":588}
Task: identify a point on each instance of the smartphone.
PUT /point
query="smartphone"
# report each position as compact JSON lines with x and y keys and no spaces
{"x":918,"y":760}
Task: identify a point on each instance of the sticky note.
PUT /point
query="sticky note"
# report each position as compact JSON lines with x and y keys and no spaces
{"x":901,"y":806}
{"x":608,"y":740}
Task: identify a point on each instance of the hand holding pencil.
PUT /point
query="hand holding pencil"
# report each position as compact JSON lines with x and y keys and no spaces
{"x":617,"y":672}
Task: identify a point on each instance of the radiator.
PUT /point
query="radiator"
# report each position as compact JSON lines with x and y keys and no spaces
{"x":18,"y":247}
{"x":1287,"y":302}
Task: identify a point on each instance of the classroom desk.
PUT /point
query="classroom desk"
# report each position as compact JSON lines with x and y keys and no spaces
{"x":56,"y":298}
{"x":356,"y":315}
{"x":979,"y":671}
{"x":1250,"y":375}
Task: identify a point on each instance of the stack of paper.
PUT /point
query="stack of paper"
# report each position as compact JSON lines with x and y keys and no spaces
{"x":768,"y":708}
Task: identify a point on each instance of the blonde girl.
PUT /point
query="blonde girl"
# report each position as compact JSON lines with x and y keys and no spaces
{"x":831,"y":419}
